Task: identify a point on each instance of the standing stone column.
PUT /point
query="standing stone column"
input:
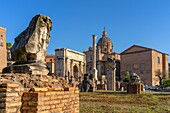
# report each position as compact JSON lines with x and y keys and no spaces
{"x":94,"y":57}
{"x":99,"y":63}
{"x":66,"y":71}
{"x":112,"y":74}
{"x":84,"y":68}
{"x":71,"y":68}
{"x":80,"y":71}
{"x":114,"y":79}
{"x":99,"y":53}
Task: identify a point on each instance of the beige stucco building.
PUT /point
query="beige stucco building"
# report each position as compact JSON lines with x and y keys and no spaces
{"x":144,"y":61}
{"x":3,"y":51}
{"x":70,"y":63}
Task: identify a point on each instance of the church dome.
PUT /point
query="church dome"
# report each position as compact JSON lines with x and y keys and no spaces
{"x":105,"y":43}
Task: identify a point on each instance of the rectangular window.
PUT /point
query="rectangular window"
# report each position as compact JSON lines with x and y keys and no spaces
{"x":158,"y":60}
{"x":135,"y":66}
{"x":142,"y":68}
{"x":128,"y":67}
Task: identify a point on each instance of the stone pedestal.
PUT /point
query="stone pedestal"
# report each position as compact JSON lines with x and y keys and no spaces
{"x":32,"y":68}
{"x":135,"y":88}
{"x":101,"y":87}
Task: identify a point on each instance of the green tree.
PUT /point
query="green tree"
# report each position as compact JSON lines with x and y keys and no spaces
{"x":8,"y":45}
{"x":126,"y":77}
{"x":161,"y":76}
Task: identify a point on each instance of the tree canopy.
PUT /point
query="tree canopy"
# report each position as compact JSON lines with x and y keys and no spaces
{"x":8,"y":44}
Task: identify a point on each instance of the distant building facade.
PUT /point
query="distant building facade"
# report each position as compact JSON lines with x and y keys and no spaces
{"x":49,"y":59}
{"x":144,"y":62}
{"x":3,"y":50}
{"x":70,"y":64}
{"x":103,"y":52}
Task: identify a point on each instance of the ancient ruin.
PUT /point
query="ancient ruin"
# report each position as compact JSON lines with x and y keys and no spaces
{"x":25,"y":86}
{"x":111,"y":78}
{"x":135,"y":86}
{"x":88,"y":84}
{"x":30,"y":47}
{"x":97,"y":61}
{"x":70,"y":64}
{"x":94,"y":58}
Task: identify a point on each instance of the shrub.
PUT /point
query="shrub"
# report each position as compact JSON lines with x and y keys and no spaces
{"x":127,"y":77}
{"x":166,"y":83}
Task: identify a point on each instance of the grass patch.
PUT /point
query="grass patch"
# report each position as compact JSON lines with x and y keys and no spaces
{"x":108,"y":101}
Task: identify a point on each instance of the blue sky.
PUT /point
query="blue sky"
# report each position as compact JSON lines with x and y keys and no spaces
{"x":128,"y":22}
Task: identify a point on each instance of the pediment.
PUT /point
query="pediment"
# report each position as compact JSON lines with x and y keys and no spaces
{"x":135,"y":48}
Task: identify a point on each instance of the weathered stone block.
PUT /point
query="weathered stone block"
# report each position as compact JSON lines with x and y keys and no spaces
{"x":64,"y":100}
{"x":12,"y":94}
{"x":2,"y":110}
{"x":134,"y":88}
{"x":59,"y":97}
{"x":53,"y":97}
{"x":56,"y":101}
{"x":9,"y":85}
{"x":32,"y":103}
{"x":38,"y":89}
{"x":50,"y":93}
{"x":66,"y":96}
{"x":60,"y":92}
{"x":26,"y":98}
{"x":30,"y":47}
{"x":2,"y":100}
{"x":45,"y":98}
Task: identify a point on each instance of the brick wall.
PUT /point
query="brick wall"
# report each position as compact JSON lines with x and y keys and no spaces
{"x":10,"y":98}
{"x":143,"y":61}
{"x":41,"y":100}
{"x":129,"y":60}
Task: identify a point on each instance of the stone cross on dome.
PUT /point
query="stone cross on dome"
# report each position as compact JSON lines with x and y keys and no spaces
{"x":104,"y":32}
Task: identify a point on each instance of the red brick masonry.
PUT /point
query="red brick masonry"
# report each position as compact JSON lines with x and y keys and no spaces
{"x":14,"y":99}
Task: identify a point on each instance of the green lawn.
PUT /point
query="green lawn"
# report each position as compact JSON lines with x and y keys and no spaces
{"x":118,"y":102}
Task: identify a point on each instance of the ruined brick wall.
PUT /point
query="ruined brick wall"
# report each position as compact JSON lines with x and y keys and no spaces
{"x":10,"y":98}
{"x":42,"y":100}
